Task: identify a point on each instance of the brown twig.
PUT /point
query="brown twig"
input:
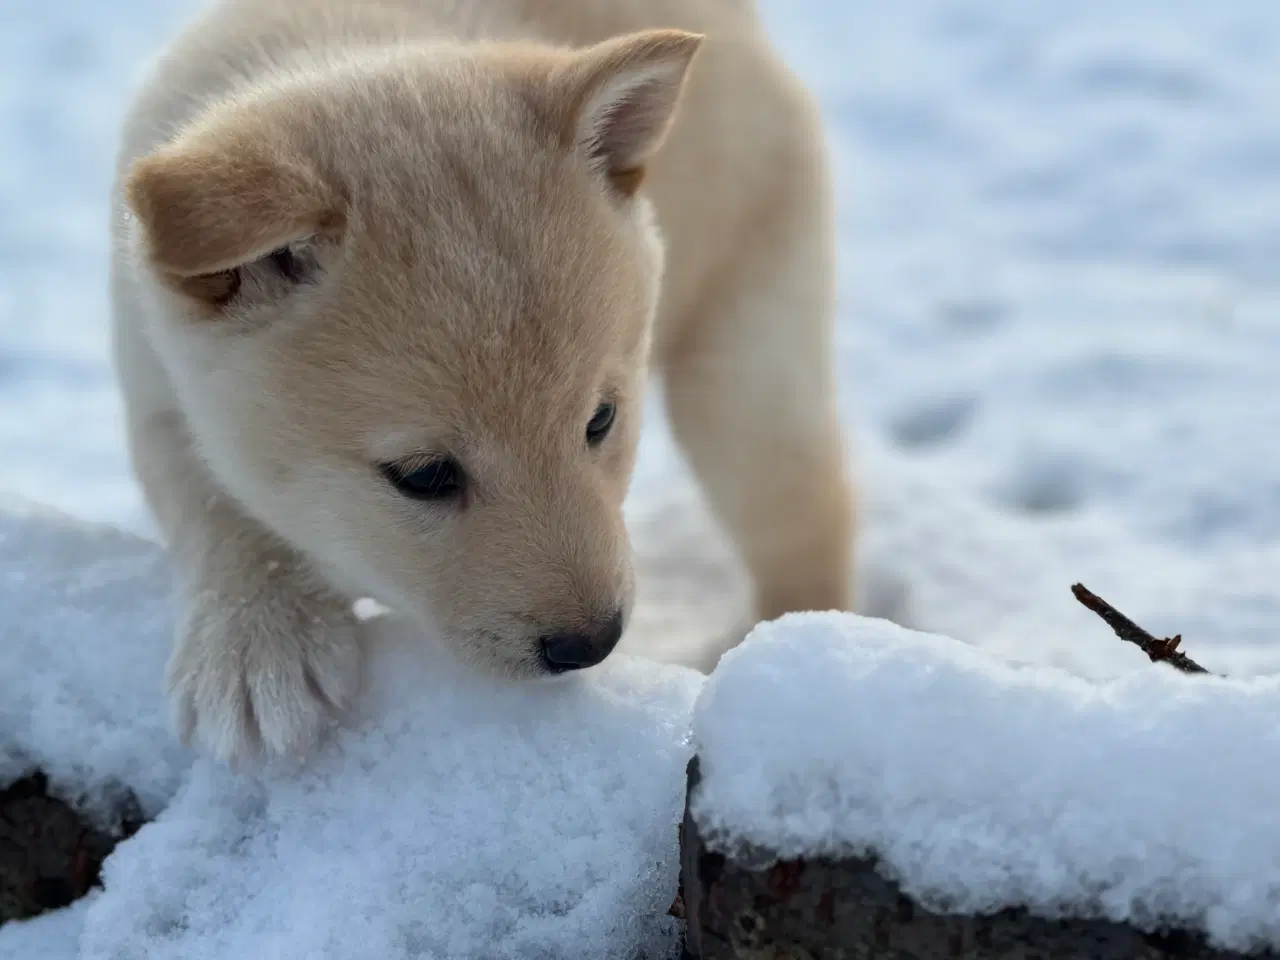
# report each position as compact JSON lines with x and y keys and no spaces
{"x":1160,"y":651}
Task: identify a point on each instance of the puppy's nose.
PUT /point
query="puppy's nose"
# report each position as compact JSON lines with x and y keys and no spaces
{"x":576,"y":650}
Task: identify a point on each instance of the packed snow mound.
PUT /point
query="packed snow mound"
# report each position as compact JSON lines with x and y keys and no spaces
{"x":87,"y":625}
{"x":456,"y":815}
{"x":981,"y":784}
{"x":453,"y":814}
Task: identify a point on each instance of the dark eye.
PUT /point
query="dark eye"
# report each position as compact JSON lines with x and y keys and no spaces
{"x":288,"y":264}
{"x":441,"y":479}
{"x":600,"y":423}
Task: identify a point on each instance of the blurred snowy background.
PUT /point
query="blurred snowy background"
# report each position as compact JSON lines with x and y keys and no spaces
{"x":1059,"y":326}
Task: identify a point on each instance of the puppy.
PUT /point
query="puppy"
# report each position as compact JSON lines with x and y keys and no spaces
{"x":387,"y":279}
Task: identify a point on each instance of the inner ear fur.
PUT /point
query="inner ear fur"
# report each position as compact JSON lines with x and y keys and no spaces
{"x":210,"y":203}
{"x":620,"y":99}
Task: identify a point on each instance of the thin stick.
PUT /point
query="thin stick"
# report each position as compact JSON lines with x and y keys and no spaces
{"x":1160,"y":651}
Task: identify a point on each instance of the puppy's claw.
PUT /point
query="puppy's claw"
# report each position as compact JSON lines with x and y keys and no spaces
{"x":245,"y":682}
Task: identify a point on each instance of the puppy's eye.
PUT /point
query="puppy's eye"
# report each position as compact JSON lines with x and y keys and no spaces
{"x":285,"y":263}
{"x":440,"y":479}
{"x":289,"y":265}
{"x":600,"y":423}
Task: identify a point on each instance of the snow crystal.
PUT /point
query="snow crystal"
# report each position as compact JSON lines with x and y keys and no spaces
{"x":457,"y":816}
{"x":86,"y":630}
{"x":983,"y":784}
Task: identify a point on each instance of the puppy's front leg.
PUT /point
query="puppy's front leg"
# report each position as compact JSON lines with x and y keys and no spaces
{"x":265,"y":653}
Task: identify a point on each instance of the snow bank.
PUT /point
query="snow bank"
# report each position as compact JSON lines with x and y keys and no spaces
{"x":85,"y":629}
{"x":984,"y":785}
{"x":457,"y":816}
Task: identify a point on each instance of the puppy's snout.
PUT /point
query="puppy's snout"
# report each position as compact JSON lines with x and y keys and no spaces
{"x":579,"y":649}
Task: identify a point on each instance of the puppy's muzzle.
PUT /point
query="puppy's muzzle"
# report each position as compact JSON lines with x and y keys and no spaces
{"x":562,"y":652}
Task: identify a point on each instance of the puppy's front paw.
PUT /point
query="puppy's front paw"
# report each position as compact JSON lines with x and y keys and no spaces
{"x":268,"y":676}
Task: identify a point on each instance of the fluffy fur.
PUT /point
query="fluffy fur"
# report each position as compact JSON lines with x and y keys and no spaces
{"x":350,"y":237}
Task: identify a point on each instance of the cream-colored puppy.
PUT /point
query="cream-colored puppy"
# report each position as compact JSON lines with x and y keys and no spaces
{"x":385,"y":282}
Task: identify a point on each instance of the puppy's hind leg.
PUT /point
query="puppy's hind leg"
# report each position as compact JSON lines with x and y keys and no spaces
{"x":750,"y":390}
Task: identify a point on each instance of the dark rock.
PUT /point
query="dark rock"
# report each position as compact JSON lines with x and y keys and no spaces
{"x":755,"y":906}
{"x":50,"y":854}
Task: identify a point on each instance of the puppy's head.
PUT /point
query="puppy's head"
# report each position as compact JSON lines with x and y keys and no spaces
{"x":406,"y":306}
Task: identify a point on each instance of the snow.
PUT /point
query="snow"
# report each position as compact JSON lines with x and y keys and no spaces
{"x":50,"y":936}
{"x":65,"y":73}
{"x":1059,"y":337}
{"x":1058,"y":346}
{"x":1058,"y":331}
{"x":544,"y":814}
{"x":458,"y":816}
{"x":87,"y":629}
{"x":983,"y":785}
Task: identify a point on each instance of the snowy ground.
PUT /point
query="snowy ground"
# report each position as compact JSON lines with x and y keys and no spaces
{"x":454,"y":814}
{"x":1059,"y":330}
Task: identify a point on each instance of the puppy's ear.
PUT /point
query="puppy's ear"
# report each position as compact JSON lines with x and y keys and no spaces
{"x":621,"y":97}
{"x":219,"y":199}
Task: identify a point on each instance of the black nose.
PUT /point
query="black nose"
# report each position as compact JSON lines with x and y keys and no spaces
{"x":575,"y":650}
